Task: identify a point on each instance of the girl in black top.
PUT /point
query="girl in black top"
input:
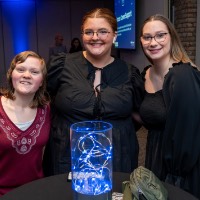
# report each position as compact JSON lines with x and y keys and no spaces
{"x":171,"y":108}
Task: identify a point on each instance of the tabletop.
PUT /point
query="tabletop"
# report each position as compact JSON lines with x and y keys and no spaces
{"x":58,"y":188}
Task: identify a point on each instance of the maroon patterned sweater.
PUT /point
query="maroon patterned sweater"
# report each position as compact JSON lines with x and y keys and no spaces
{"x":21,"y":151}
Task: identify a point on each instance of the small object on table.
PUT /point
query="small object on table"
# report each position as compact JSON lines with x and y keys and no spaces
{"x":117,"y":196}
{"x":69,"y":178}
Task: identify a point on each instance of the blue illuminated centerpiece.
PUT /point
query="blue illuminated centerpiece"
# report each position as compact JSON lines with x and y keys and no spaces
{"x":91,"y":155}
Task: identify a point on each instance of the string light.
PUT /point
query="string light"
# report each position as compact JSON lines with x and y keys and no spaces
{"x":92,"y":162}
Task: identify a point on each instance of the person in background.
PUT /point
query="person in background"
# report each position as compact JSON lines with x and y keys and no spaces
{"x":24,"y":121}
{"x":93,"y":85}
{"x":58,"y":47}
{"x":75,"y":45}
{"x":171,"y":109}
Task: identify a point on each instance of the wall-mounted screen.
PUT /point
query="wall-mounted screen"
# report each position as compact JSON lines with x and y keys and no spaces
{"x":125,"y":14}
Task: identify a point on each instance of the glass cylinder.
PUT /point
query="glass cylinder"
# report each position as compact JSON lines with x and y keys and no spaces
{"x":91,"y":156}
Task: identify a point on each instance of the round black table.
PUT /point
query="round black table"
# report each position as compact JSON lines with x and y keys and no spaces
{"x":57,"y":188}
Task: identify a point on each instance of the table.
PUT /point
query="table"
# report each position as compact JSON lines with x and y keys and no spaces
{"x":57,"y":188}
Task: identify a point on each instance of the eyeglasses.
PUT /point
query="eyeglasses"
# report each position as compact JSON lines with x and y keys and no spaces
{"x":159,"y":37}
{"x":101,"y":34}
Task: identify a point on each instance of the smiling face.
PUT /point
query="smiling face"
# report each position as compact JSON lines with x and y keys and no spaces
{"x":97,"y":46}
{"x":27,"y":76}
{"x":156,"y":50}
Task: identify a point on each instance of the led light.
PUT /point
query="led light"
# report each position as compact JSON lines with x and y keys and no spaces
{"x":19,"y":16}
{"x":91,"y":154}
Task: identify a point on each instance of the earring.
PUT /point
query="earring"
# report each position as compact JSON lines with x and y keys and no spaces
{"x":114,"y":40}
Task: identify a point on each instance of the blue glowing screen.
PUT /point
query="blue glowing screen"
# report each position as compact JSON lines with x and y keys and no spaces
{"x":19,"y":16}
{"x":125,"y":14}
{"x":91,"y":153}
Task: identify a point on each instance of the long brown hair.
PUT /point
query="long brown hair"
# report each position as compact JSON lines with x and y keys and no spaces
{"x":177,"y":51}
{"x":41,"y":97}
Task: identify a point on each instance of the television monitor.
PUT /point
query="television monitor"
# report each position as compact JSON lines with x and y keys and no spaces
{"x":125,"y":14}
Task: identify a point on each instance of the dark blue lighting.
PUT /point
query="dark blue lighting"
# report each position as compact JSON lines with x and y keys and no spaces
{"x":19,"y":15}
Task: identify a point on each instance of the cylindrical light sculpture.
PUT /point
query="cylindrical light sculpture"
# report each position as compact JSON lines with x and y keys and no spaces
{"x":91,"y":155}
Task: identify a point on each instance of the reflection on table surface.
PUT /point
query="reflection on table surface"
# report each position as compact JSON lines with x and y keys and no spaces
{"x":57,"y":188}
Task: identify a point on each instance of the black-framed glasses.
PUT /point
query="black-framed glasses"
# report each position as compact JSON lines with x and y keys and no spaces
{"x":159,"y":37}
{"x":101,"y":34}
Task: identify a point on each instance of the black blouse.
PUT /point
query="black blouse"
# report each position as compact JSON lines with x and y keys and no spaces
{"x":70,"y":84}
{"x":153,"y":109}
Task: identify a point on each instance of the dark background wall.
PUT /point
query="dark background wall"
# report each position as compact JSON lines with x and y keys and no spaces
{"x":64,"y":16}
{"x":185,"y":21}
